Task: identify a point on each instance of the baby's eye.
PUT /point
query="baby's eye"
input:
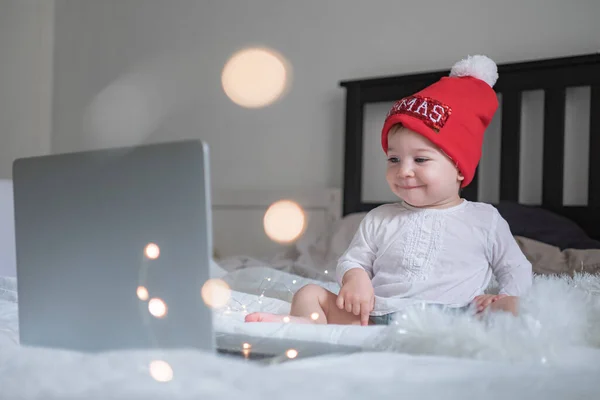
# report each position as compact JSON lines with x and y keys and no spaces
{"x":393,"y":160}
{"x":420,"y":160}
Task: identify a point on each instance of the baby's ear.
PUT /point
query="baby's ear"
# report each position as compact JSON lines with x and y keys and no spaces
{"x":461,"y":177}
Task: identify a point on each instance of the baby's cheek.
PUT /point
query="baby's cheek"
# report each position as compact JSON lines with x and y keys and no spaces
{"x":435,"y":181}
{"x":444,"y":181}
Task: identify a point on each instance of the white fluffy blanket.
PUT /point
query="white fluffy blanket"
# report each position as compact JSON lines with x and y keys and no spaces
{"x":559,"y":313}
{"x":551,"y":350}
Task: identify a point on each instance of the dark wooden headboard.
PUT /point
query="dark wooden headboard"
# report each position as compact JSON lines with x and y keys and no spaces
{"x":553,"y":76}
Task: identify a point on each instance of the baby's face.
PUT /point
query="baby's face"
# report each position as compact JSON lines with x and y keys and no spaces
{"x":419,"y":172}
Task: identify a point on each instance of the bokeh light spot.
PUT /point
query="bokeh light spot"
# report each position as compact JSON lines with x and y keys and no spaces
{"x":161,"y":371}
{"x":216,"y":293}
{"x":284,"y":221}
{"x":152,"y":251}
{"x":291,"y":353}
{"x":142,"y":293}
{"x":255,"y":77}
{"x":157,"y":307}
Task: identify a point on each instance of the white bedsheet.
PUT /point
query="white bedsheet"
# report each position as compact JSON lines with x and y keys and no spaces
{"x":552,"y":351}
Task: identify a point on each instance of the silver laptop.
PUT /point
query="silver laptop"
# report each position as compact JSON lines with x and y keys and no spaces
{"x":113,"y":247}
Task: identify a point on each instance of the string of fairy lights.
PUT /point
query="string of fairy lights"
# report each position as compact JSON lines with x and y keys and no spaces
{"x":216,"y":293}
{"x":284,"y":221}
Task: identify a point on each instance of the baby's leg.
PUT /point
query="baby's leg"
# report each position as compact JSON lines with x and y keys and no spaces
{"x":508,"y":304}
{"x":311,"y":304}
{"x":317,"y":304}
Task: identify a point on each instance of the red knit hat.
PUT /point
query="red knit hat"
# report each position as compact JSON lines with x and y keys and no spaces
{"x":453,"y":113}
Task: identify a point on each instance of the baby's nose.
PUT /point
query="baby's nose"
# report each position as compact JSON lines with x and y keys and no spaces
{"x":405,"y":170}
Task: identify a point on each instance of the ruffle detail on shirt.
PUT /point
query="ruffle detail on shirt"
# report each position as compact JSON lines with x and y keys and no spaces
{"x":422,"y":246}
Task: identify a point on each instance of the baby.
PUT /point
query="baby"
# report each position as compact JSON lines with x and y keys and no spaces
{"x":432,"y":247}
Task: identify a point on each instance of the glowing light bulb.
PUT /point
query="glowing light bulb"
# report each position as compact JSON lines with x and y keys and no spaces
{"x":142,"y":293}
{"x":152,"y":251}
{"x":314,"y":316}
{"x":284,"y":221}
{"x":291,"y":353}
{"x":255,"y":77}
{"x":216,"y":293}
{"x":157,"y":307}
{"x":161,"y":371}
{"x":246,"y":346}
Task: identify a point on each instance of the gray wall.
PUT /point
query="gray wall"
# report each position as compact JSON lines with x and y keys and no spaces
{"x":26,"y":33}
{"x":154,"y":67}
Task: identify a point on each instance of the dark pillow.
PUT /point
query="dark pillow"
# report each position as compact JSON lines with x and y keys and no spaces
{"x":545,"y":226}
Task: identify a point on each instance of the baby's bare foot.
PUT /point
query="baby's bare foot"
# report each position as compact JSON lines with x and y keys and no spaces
{"x":267,"y":317}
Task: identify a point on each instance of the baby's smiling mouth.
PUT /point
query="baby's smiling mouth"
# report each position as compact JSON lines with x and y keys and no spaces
{"x":409,"y":187}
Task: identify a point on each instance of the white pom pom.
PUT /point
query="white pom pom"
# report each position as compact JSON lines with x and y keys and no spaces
{"x":480,"y":67}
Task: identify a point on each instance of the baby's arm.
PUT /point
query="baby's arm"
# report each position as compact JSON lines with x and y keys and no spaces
{"x":360,"y":253}
{"x":355,"y":271}
{"x":356,"y":295}
{"x":510,"y":266}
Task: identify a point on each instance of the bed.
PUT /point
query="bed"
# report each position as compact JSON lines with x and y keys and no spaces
{"x":551,"y":350}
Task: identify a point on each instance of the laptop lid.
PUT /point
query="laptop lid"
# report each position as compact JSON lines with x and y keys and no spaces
{"x":113,"y":247}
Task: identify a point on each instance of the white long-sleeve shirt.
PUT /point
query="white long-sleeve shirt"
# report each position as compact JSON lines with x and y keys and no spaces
{"x":445,"y":256}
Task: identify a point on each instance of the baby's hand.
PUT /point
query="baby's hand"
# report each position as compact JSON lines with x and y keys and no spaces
{"x":483,"y":301}
{"x":356,"y":295}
